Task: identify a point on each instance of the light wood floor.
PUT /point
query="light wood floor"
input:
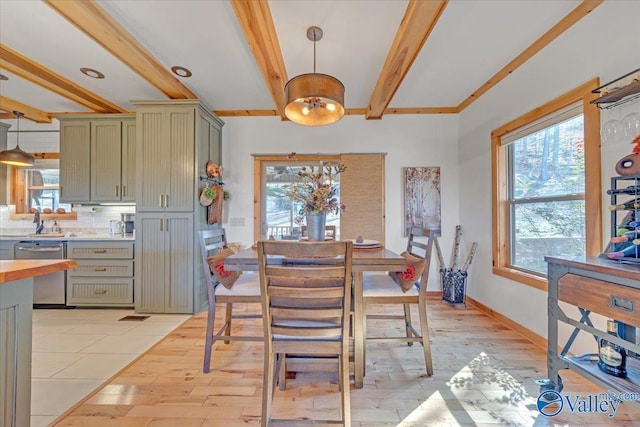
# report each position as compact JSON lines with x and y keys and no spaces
{"x":484,"y":375}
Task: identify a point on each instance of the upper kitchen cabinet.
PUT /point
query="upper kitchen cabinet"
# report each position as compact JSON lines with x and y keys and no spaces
{"x":97,"y":158}
{"x":176,"y":139}
{"x":75,"y":155}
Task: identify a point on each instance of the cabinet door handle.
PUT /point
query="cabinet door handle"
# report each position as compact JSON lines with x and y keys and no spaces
{"x":166,"y":224}
{"x":99,"y":251}
{"x":99,"y":291}
{"x":166,"y":200}
{"x":124,"y":191}
{"x":100,"y":269}
{"x":161,"y":225}
{"x":622,"y":304}
{"x":161,"y":202}
{"x":116,"y":191}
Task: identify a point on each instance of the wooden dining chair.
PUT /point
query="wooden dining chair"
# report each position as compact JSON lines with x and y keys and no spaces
{"x":306,"y":300}
{"x":246,"y":289}
{"x":329,"y":231}
{"x":381,"y":288}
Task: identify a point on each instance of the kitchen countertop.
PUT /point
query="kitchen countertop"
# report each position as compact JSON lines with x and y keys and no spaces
{"x":71,"y":236}
{"x":25,"y":268}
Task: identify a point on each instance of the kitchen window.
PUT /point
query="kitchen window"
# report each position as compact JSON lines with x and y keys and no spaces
{"x":547,"y":190}
{"x":38,"y":187}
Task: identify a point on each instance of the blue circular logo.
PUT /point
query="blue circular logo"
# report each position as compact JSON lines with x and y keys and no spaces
{"x":550,"y":403}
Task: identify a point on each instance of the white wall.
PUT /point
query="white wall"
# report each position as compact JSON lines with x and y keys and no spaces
{"x":408,"y":140}
{"x":584,"y":52}
{"x":34,"y":137}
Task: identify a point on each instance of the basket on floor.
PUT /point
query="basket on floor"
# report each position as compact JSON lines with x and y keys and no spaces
{"x":454,"y":283}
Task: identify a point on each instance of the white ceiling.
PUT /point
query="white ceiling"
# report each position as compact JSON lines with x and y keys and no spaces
{"x":471,"y":42}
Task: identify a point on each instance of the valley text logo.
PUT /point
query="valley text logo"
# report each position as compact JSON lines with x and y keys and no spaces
{"x":551,"y":403}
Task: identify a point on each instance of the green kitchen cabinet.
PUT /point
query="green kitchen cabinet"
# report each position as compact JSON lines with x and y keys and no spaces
{"x":175,"y":140}
{"x":164,"y":263}
{"x":166,"y":171}
{"x":75,"y":158}
{"x":97,"y":158}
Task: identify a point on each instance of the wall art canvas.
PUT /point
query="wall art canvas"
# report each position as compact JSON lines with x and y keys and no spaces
{"x":422,"y":203}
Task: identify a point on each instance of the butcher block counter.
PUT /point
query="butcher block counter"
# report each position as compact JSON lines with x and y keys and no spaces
{"x":16,"y":306}
{"x":26,"y":268}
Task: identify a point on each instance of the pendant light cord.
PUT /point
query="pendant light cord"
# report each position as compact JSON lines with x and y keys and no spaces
{"x":18,"y":114}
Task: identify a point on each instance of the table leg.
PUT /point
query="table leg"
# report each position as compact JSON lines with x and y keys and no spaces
{"x":358,"y":330}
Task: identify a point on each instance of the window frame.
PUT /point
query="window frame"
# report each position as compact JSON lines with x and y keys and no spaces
{"x":259,"y":163}
{"x":501,"y":227}
{"x":18,"y":208}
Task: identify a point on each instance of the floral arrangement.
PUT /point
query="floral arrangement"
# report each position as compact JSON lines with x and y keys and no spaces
{"x":316,"y":190}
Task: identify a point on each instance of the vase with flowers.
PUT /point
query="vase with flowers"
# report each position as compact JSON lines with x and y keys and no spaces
{"x":316,"y":191}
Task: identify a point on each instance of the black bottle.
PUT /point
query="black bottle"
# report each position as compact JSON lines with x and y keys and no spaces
{"x":612,"y":357}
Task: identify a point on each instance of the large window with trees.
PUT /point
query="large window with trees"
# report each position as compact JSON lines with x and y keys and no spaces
{"x":547,"y":189}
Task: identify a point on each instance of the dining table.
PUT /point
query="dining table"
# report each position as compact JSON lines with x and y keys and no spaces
{"x":377,"y":258}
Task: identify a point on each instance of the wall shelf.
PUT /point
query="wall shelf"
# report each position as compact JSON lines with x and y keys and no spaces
{"x":618,"y":95}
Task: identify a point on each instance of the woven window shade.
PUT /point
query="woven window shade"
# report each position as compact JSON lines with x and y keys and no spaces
{"x":362,"y":191}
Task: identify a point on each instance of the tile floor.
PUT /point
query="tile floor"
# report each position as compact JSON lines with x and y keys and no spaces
{"x":77,"y":350}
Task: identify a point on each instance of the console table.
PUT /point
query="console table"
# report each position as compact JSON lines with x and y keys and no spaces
{"x":600,"y":286}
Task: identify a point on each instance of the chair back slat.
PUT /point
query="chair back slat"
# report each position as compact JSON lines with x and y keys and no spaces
{"x":307,"y":333}
{"x":305,"y":293}
{"x":295,"y":314}
{"x":288,"y":270}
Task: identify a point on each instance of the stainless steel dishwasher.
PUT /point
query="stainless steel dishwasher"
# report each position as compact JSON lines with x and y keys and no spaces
{"x":50,"y":288}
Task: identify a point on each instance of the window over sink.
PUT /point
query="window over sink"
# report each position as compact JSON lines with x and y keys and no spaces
{"x":38,"y":187}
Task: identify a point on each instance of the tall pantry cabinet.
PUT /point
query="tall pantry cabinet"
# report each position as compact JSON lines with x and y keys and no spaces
{"x":176,"y":139}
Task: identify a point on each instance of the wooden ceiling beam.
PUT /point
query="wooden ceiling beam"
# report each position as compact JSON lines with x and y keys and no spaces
{"x":419,"y":19}
{"x":582,"y":10}
{"x":31,"y":113}
{"x":24,"y":67}
{"x":256,"y":22}
{"x":347,"y":111}
{"x":95,"y":22}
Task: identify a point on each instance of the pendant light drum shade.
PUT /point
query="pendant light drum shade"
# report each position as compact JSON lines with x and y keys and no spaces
{"x":17,"y":157}
{"x":314,"y":99}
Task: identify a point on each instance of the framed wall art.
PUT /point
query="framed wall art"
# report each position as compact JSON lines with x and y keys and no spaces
{"x":422,"y":203}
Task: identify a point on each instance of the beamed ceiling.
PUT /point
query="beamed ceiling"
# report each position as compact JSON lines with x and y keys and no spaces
{"x":393,"y":56}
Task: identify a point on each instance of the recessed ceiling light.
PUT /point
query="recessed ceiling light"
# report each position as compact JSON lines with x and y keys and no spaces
{"x":92,"y":73}
{"x":3,"y":77}
{"x":181,"y":71}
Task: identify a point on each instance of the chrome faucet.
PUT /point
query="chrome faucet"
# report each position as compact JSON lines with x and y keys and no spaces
{"x":36,"y":220}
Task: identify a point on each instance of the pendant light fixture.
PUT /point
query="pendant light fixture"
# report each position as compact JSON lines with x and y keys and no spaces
{"x":314,"y":99}
{"x":16,"y":157}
